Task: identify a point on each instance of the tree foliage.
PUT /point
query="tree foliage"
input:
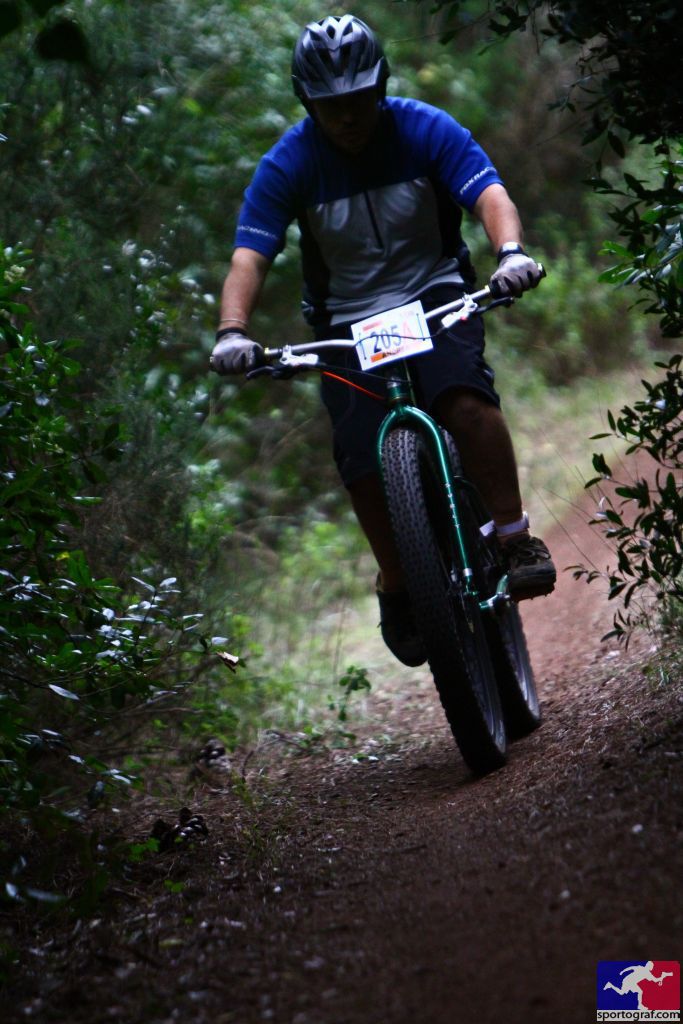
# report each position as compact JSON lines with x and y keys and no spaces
{"x":650,"y":255}
{"x":628,"y":57}
{"x":128,"y":132}
{"x":649,"y":543}
{"x":55,"y":36}
{"x":628,"y":60}
{"x":75,"y":651}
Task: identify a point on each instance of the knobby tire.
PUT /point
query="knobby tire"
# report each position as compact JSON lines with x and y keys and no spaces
{"x":514,"y":675}
{"x":449,"y":621}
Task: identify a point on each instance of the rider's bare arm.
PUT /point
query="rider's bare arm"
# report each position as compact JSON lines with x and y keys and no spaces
{"x":242,"y":287}
{"x":499,"y":216}
{"x":516,"y":271}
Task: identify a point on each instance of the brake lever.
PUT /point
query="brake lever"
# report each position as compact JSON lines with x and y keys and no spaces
{"x":507,"y":300}
{"x":280,"y":371}
{"x":283,"y":372}
{"x":259,"y":371}
{"x":469,"y":308}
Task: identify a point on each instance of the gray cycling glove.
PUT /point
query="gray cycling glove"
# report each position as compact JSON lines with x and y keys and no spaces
{"x":516,"y":273}
{"x":235,"y":353}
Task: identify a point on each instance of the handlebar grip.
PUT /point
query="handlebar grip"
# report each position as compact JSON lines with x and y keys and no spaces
{"x":496,"y":292}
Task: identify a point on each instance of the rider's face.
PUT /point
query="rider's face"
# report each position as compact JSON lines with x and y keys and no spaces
{"x":348,"y":121}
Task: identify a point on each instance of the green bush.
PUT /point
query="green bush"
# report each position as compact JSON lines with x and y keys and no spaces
{"x":648,"y":219}
{"x":649,"y":544}
{"x":76,"y":652}
{"x":572,"y":325}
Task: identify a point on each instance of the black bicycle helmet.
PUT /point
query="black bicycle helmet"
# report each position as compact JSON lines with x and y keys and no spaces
{"x":335,"y":56}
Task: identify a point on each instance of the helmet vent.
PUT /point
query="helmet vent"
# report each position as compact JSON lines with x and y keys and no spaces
{"x":335,"y":56}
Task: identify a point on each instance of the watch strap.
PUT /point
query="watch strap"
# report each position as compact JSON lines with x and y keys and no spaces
{"x":510,"y":249}
{"x":225,"y":331}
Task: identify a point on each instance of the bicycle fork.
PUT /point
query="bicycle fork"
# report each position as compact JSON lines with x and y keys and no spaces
{"x":402,"y":413}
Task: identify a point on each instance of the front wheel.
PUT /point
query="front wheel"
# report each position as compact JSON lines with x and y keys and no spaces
{"x":448,"y":618}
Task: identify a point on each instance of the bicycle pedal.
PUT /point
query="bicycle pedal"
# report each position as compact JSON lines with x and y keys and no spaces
{"x":532,"y":592}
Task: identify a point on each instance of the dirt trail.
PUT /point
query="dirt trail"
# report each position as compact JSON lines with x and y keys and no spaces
{"x":392,"y":888}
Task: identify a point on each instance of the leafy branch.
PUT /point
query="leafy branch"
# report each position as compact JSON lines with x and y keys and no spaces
{"x":76,"y":651}
{"x":649,"y":544}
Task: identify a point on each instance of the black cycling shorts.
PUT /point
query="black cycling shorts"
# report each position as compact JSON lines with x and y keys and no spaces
{"x":457,"y":361}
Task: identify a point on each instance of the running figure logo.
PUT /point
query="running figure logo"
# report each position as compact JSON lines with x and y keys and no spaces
{"x":640,"y":989}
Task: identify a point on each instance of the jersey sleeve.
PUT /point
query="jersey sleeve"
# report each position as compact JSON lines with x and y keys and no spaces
{"x":459,"y":162}
{"x":268,"y":208}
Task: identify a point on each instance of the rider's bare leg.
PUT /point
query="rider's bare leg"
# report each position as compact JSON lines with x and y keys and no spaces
{"x":369,"y":504}
{"x":482,"y":436}
{"x":483,"y":439}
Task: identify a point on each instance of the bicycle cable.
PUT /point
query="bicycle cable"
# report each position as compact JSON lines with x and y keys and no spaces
{"x":356,"y":387}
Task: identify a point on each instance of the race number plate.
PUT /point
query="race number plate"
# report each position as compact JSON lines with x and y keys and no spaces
{"x":396,"y":334}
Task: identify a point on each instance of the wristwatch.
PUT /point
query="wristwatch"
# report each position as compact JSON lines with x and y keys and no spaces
{"x":510,"y":249}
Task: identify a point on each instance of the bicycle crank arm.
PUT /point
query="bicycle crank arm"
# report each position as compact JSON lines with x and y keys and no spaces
{"x":500,"y":600}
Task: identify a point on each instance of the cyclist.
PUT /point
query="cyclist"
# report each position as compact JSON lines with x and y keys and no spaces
{"x":377,"y":185}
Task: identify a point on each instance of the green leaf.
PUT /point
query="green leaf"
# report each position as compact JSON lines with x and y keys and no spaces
{"x":61,"y":692}
{"x":174,"y":887}
{"x":111,"y":433}
{"x":22,"y":484}
{"x":12,"y":891}
{"x":616,"y":249}
{"x":600,"y":465}
{"x":41,"y":896}
{"x":616,"y":144}
{"x":142,"y":583}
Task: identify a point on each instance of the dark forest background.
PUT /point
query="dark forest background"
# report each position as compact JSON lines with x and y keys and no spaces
{"x":158,"y":522}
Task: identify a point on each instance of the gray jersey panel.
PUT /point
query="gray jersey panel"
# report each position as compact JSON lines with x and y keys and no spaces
{"x":382,"y":247}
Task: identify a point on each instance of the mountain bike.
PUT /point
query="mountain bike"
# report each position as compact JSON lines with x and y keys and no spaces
{"x":456,"y":581}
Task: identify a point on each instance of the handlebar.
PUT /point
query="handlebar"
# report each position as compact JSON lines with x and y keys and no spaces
{"x":300,"y":357}
{"x":459,"y":309}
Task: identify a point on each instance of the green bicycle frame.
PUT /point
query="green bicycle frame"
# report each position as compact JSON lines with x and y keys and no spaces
{"x":402,"y":410}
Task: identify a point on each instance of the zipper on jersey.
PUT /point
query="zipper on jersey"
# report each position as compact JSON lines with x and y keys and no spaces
{"x":373,"y":221}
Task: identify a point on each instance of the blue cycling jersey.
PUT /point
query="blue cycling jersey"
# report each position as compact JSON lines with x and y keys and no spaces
{"x":377,"y":229}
